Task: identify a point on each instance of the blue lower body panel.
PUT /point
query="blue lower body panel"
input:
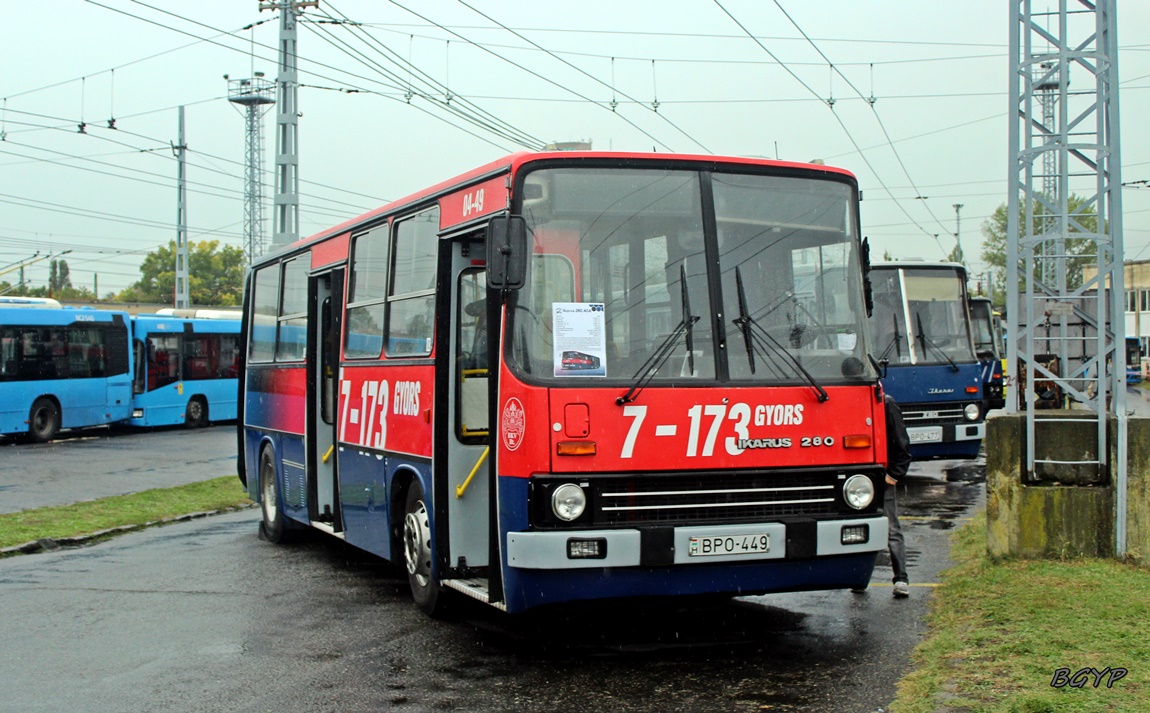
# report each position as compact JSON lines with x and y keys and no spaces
{"x":954,"y":449}
{"x":539,"y":571}
{"x":529,"y":588}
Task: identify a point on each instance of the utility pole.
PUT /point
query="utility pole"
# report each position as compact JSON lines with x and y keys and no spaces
{"x":183,"y":298}
{"x":958,"y":231}
{"x":286,"y":228}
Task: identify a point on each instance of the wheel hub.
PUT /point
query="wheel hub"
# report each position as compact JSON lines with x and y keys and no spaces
{"x":416,"y":536}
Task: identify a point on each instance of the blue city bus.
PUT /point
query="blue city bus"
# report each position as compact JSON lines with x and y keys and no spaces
{"x":186,"y":370}
{"x":988,"y":345}
{"x":62,"y":368}
{"x":921,"y":329}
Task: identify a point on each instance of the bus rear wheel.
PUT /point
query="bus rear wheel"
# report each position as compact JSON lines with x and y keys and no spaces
{"x":196,"y":414}
{"x":43,"y":420}
{"x":272,"y":527}
{"x":417,"y":553}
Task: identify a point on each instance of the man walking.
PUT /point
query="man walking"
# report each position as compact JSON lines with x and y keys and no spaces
{"x":898,"y":461}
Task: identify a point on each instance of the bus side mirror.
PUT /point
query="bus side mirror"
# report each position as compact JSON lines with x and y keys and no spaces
{"x":868,"y":290}
{"x":879,"y":366}
{"x":506,"y":252}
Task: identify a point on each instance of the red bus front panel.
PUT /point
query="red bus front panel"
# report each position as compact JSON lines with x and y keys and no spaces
{"x":701,"y":428}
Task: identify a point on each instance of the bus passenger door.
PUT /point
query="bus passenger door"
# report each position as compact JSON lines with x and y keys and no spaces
{"x":465,"y":486}
{"x":324,"y":311}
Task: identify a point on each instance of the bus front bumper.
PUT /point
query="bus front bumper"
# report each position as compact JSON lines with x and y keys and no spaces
{"x":695,"y":545}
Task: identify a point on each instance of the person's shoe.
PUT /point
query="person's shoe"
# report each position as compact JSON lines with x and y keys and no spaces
{"x":901,"y":590}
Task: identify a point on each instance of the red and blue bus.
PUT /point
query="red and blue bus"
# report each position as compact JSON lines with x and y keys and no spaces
{"x":186,"y":370}
{"x":404,"y":391}
{"x":987,"y":328}
{"x":921,"y":324}
{"x":1133,"y":360}
{"x":62,"y":368}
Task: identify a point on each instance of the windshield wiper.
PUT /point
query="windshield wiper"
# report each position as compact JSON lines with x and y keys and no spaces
{"x":766,"y":342}
{"x":895,"y":341}
{"x":927,"y":341}
{"x":663,"y":351}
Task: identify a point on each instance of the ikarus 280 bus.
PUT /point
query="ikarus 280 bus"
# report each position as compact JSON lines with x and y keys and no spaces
{"x":578,"y":375}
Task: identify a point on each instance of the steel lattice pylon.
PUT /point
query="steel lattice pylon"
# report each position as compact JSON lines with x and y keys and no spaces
{"x":1064,"y":256}
{"x":285,"y":229}
{"x":255,"y":95}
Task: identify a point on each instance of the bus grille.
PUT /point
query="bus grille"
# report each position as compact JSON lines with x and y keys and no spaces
{"x":933,"y":414}
{"x":712,"y":498}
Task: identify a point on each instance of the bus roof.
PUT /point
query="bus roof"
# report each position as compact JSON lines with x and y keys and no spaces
{"x":515,"y":161}
{"x":49,"y":316}
{"x":917,"y":265}
{"x":29,"y":302}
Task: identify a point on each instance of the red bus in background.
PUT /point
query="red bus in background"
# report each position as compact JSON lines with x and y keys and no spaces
{"x":404,"y":387}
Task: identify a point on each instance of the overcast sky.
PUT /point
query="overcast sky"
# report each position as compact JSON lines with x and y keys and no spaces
{"x":519,"y":74}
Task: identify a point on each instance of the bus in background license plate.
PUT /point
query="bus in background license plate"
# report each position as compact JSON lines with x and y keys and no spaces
{"x":754,"y":543}
{"x":932,"y":434}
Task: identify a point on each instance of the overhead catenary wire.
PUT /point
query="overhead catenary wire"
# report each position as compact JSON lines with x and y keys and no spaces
{"x":457,"y":110}
{"x":356,"y":29}
{"x":654,"y":108}
{"x":162,"y":146}
{"x":537,"y":75}
{"x":249,"y":41}
{"x":870,"y":101}
{"x":842,"y":124}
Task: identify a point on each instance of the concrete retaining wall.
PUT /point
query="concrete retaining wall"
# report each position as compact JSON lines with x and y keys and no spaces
{"x":1063,"y":511}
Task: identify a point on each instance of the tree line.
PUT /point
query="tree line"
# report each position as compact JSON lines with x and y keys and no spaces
{"x":215,"y":278}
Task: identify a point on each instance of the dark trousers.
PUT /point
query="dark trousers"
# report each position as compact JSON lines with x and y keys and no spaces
{"x":894,"y":538}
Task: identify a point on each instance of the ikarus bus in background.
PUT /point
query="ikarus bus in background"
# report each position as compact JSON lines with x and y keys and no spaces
{"x":921,"y":327}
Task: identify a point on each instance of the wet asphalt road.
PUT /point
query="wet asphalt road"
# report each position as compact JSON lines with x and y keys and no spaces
{"x":204,"y":616}
{"x":98,"y":462}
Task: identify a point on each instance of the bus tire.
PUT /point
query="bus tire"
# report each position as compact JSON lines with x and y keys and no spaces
{"x":43,"y":420}
{"x":196,"y":415}
{"x":417,"y":555}
{"x":273,"y":528}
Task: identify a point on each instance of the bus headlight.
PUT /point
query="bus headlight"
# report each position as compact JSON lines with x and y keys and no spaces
{"x":568,"y":502}
{"x":971,"y":412}
{"x":858,"y":491}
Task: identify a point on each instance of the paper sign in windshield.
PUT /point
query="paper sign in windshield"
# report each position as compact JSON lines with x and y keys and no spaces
{"x":580,"y":338}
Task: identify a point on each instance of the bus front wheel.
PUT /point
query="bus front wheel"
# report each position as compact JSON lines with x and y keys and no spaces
{"x":417,"y":552}
{"x":273,"y":528}
{"x":197,"y":412}
{"x":43,"y":420}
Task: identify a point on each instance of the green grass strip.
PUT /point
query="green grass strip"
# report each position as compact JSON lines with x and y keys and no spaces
{"x":999,"y":632}
{"x":120,"y":510}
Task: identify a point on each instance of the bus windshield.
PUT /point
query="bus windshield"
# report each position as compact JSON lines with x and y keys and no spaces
{"x":982,"y":321}
{"x":920,"y":316}
{"x":774,"y":296}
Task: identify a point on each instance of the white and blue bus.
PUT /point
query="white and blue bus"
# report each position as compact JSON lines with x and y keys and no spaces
{"x":186,"y":370}
{"x":921,"y":325}
{"x":62,"y":368}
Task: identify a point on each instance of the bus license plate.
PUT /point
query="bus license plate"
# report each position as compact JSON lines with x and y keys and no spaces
{"x":751,"y":543}
{"x":926,"y":435}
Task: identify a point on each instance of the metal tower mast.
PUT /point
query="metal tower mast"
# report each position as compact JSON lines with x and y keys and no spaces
{"x":1083,"y":323}
{"x":286,"y":228}
{"x":255,"y":95}
{"x":1046,"y":92}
